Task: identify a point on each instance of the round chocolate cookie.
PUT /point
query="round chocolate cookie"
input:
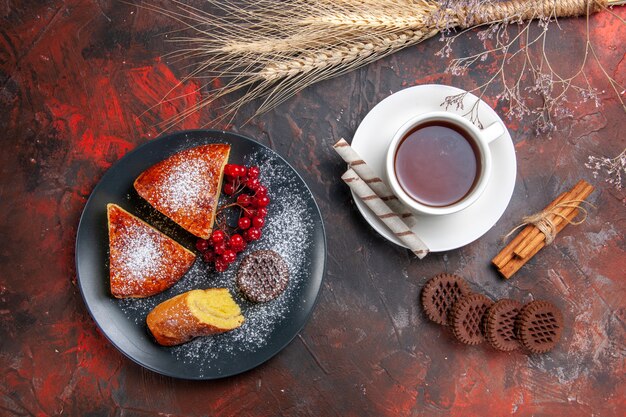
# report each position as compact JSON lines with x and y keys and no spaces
{"x":439,"y":295}
{"x":466,"y":318}
{"x":539,"y":326}
{"x":262,"y":276}
{"x":500,"y":325}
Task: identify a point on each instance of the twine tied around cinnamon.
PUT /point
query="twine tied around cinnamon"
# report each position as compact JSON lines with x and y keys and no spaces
{"x":541,"y":228}
{"x":544,"y":223}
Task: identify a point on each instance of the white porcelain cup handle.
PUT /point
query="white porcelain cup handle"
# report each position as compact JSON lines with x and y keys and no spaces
{"x":492,"y":132}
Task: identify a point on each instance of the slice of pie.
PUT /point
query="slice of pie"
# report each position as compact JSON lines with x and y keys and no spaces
{"x":142,"y":260}
{"x":186,"y":186}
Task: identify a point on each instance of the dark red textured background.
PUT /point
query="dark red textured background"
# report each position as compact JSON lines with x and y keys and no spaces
{"x":79,"y":83}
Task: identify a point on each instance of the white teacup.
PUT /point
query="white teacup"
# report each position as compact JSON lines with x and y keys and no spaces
{"x":477,"y":139}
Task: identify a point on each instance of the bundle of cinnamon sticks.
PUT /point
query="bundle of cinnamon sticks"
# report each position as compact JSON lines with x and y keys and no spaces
{"x":531,"y":239}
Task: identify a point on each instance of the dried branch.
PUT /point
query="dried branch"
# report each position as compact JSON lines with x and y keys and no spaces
{"x":613,"y":168}
{"x":533,"y":79}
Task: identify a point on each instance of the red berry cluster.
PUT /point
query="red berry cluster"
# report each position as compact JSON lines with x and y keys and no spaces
{"x":251,"y":198}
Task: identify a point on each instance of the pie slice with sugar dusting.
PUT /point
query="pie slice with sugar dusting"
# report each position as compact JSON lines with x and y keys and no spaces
{"x":142,"y":261}
{"x":186,"y":186}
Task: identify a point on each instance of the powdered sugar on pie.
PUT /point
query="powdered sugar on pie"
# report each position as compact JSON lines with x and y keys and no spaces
{"x":142,"y":261}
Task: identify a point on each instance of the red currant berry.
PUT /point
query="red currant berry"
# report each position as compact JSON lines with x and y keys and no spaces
{"x":244,"y":223}
{"x":253,"y":233}
{"x":229,"y":256}
{"x":253,"y":172}
{"x":217,"y":236}
{"x":242,"y":171}
{"x":229,"y":170}
{"x":229,"y":188}
{"x":202,"y":245}
{"x":261,"y":212}
{"x":258,"y":222}
{"x":261,"y":191}
{"x":220,"y":265}
{"x":243,"y":200}
{"x":219,"y":248}
{"x":252,"y":183}
{"x":208,"y":256}
{"x":261,"y":201}
{"x":236,"y":241}
{"x":238,"y":171}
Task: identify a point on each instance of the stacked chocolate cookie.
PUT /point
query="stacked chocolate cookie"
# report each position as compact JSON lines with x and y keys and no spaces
{"x":506,"y":324}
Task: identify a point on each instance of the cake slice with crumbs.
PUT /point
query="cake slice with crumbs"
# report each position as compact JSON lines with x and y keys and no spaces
{"x":186,"y":186}
{"x":192,"y":314}
{"x":142,"y":260}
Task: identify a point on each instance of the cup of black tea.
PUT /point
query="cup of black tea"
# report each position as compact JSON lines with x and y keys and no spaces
{"x":440,"y":163}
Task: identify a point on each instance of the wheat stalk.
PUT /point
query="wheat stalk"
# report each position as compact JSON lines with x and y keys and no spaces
{"x":273,"y":49}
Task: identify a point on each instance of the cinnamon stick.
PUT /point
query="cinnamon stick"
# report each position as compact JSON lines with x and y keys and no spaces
{"x":505,"y":255}
{"x":560,"y":217}
{"x":516,"y":263}
{"x":580,"y":191}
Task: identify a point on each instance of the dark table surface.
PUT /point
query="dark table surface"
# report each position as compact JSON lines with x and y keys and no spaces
{"x":79,"y":82}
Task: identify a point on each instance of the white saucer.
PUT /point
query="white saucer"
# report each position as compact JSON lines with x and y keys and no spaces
{"x":446,"y":232}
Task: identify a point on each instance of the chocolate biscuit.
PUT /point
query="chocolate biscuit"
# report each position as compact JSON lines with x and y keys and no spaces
{"x":539,"y":326}
{"x":439,"y":295}
{"x":466,"y":318}
{"x":500,"y":325}
{"x":262,"y":276}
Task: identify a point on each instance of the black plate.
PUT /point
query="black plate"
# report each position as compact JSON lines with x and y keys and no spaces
{"x":294,"y":228}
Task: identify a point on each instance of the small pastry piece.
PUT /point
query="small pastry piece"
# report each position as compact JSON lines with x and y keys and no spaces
{"x":262,"y":276}
{"x":439,"y":295}
{"x":142,"y":260}
{"x":500,"y":325}
{"x":466,"y":318}
{"x":539,"y":326}
{"x":186,"y":186}
{"x":192,"y":314}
